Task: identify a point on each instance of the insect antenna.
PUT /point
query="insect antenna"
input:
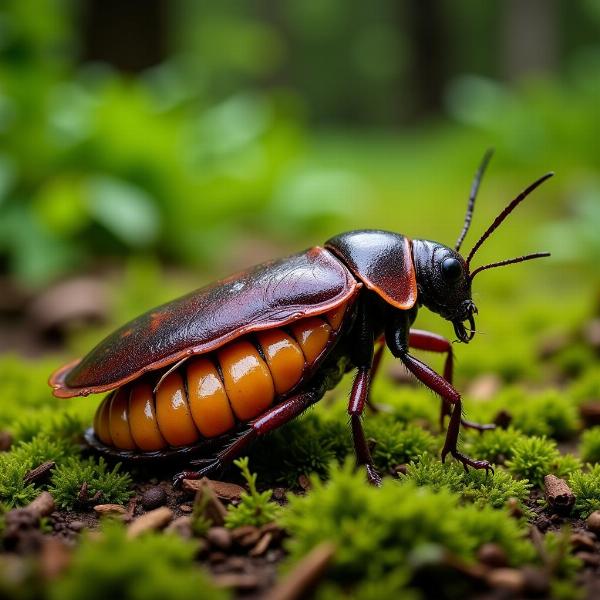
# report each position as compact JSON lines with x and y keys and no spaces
{"x":500,"y":218}
{"x":509,"y":261}
{"x":472,"y":196}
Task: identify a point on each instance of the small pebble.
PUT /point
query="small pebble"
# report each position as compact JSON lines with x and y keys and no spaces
{"x":593,"y":522}
{"x":492,"y":555}
{"x":279,"y":494}
{"x":154,"y":497}
{"x":185,"y":508}
{"x":77,"y":525}
{"x":219,"y":537}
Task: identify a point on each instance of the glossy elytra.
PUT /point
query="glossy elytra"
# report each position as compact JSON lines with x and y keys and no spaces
{"x":201,"y":377}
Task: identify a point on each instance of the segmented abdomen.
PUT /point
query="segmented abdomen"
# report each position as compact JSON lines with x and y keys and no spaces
{"x":207,"y":395}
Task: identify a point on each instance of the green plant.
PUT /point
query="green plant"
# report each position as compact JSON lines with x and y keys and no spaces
{"x":255,"y":508}
{"x":397,"y":443}
{"x":495,"y":446}
{"x":151,"y":567}
{"x":586,"y":487}
{"x":534,"y":458}
{"x":109,"y":484}
{"x":377,"y":531}
{"x":589,"y":445}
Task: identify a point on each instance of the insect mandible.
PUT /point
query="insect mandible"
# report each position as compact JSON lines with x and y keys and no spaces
{"x":201,"y":377}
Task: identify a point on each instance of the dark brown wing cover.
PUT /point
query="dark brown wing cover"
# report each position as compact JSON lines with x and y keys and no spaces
{"x":382,"y":260}
{"x":269,"y":295}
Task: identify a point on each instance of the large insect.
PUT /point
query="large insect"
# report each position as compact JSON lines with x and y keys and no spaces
{"x":206,"y":374}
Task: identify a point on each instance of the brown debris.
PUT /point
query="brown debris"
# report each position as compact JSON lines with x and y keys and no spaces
{"x":55,"y":557}
{"x":110,"y":509}
{"x":262,"y":545}
{"x":582,"y":541}
{"x":21,"y":525}
{"x":220,"y":538}
{"x":591,"y":333}
{"x":154,"y":498}
{"x":307,"y":573}
{"x":492,"y":555}
{"x":150,"y":521}
{"x":511,"y":580}
{"x":222,"y":489}
{"x":246,"y":536}
{"x":182,"y":526}
{"x":239,"y":581}
{"x":514,"y":508}
{"x":590,"y":412}
{"x":558,"y":494}
{"x":591,"y":559}
{"x":40,"y":474}
{"x":593,"y":522}
{"x":6,"y":441}
{"x":208,"y":504}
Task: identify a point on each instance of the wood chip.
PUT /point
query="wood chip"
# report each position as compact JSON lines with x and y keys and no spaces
{"x":42,"y":506}
{"x":307,"y":573}
{"x":589,"y":558}
{"x":512,"y":580}
{"x":262,"y":545}
{"x":108,"y":509}
{"x":558,"y":494}
{"x":40,"y":474}
{"x":207,"y":504}
{"x":246,"y":536}
{"x":222,"y":489}
{"x":239,"y":581}
{"x":150,"y":521}
{"x":220,"y":538}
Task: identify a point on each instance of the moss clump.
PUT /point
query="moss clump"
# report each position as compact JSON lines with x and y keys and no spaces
{"x":495,"y":446}
{"x":535,"y":457}
{"x":586,"y":487}
{"x":109,"y":484}
{"x":25,"y":456}
{"x":378,"y":531}
{"x":255,"y":508}
{"x":474,"y":486}
{"x":397,"y":443}
{"x":152,"y":567}
{"x":589,"y":446}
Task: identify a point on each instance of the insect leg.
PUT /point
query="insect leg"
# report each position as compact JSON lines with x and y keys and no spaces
{"x":432,"y":342}
{"x":439,"y":385}
{"x":363,"y":358}
{"x":267,"y":422}
{"x":374,"y":370}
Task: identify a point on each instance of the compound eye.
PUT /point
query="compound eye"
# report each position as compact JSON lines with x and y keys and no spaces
{"x":451,"y":269}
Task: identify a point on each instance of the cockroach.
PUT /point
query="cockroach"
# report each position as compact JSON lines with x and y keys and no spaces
{"x":201,"y":377}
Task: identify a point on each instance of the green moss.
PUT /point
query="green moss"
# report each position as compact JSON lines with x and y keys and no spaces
{"x":152,"y":567}
{"x":589,"y":445}
{"x":255,"y":508}
{"x":586,"y":487}
{"x":586,"y":388}
{"x":474,"y":486}
{"x":535,"y":457}
{"x":23,"y":457}
{"x":496,"y":446}
{"x":68,"y":478}
{"x":397,"y":443}
{"x":381,"y":530}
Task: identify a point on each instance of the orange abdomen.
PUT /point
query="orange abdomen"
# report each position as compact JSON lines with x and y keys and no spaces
{"x":210,"y":393}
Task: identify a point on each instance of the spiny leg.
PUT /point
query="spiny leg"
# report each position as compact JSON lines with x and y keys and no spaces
{"x":374,"y":370}
{"x":362,"y":355}
{"x":397,"y":339}
{"x":432,"y":342}
{"x":269,"y":421}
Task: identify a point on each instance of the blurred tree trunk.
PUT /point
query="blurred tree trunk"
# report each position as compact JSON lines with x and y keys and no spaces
{"x":530,"y":38}
{"x":129,"y":35}
{"x":428,"y":38}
